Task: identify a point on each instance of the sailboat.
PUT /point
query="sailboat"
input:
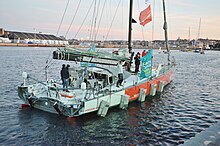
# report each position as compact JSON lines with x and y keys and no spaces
{"x":199,"y":49}
{"x":93,"y":86}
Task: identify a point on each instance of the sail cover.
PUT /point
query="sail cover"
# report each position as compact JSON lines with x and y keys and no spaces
{"x":145,"y":16}
{"x":88,"y":56}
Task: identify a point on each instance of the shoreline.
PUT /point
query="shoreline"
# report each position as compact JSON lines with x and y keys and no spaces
{"x":30,"y":45}
{"x":78,"y":46}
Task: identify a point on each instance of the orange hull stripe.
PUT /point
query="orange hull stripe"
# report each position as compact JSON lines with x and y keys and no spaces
{"x":133,"y":92}
{"x":67,"y":96}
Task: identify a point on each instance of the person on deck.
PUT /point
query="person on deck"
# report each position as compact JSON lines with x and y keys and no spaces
{"x":61,"y":73}
{"x":144,"y":53}
{"x":120,"y":74}
{"x":65,"y":77}
{"x":137,"y":62}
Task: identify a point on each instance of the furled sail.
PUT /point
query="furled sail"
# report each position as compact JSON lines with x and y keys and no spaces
{"x":84,"y":55}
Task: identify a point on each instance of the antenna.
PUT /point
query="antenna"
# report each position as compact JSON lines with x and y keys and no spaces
{"x":153,"y":21}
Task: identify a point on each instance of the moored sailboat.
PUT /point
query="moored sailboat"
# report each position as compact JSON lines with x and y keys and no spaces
{"x":93,"y":86}
{"x":199,"y":49}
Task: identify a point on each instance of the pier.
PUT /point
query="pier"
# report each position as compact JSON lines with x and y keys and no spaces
{"x":209,"y":137}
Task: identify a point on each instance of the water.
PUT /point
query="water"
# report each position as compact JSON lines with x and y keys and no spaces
{"x":189,"y":105}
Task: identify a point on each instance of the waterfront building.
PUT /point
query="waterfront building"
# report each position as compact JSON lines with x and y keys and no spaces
{"x":32,"y":38}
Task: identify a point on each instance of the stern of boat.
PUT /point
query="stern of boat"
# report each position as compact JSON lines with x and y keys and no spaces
{"x":22,"y":94}
{"x":47,"y":97}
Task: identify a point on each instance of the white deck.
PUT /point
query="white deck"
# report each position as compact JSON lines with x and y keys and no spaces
{"x":40,"y":90}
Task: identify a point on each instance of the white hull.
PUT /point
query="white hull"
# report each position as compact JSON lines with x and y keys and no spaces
{"x":47,"y":97}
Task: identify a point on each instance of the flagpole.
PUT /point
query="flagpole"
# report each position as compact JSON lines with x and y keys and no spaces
{"x":130,"y":26}
{"x":165,"y":31}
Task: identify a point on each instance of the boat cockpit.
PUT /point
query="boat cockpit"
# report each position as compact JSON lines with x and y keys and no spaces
{"x":94,"y":77}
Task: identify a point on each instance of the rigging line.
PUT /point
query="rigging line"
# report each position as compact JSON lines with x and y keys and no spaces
{"x":84,"y":19}
{"x":94,"y":29}
{"x":107,"y":18}
{"x":122,"y":24}
{"x":153,"y":21}
{"x":58,"y":29}
{"x":113,"y":19}
{"x":122,"y":21}
{"x":63,"y":17}
{"x":168,"y":18}
{"x":142,"y":28}
{"x":73,"y":18}
{"x":93,"y":16}
{"x":100,"y":20}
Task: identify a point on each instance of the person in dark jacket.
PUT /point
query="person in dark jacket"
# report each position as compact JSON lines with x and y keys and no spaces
{"x":65,"y":77}
{"x":61,"y":72}
{"x":137,"y":62}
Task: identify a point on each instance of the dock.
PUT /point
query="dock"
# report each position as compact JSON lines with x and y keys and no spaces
{"x":209,"y":137}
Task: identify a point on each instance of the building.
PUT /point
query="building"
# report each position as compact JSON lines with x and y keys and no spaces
{"x":32,"y":38}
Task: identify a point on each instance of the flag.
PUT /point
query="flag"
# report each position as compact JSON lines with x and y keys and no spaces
{"x":145,"y":16}
{"x":146,"y":67}
{"x":133,"y":21}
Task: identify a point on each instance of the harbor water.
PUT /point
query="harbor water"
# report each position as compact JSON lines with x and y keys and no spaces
{"x":190,"y":104}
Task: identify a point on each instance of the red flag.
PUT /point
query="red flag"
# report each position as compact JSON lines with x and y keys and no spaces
{"x":145,"y":16}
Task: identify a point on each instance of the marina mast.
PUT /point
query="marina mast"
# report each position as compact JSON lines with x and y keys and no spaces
{"x":199,"y":28}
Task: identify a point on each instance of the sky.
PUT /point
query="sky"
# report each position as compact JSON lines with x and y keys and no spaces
{"x":183,"y":17}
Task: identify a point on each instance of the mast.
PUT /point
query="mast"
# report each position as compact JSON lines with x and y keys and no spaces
{"x":189,"y":37}
{"x":130,"y":26}
{"x":199,"y":28}
{"x":189,"y":34}
{"x":198,"y":33}
{"x":165,"y":30}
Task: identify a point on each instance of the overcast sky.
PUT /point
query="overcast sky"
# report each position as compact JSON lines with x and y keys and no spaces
{"x":45,"y":16}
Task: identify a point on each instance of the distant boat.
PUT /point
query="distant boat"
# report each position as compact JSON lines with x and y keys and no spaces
{"x":199,"y":50}
{"x":4,"y":40}
{"x":185,"y":50}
